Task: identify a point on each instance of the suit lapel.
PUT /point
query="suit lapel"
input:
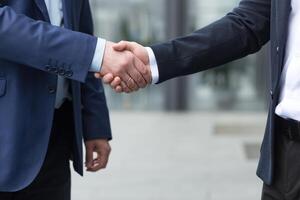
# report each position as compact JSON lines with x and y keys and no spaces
{"x":67,"y":10}
{"x":42,"y":7}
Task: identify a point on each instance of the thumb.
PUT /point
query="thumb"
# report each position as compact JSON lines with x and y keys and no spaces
{"x":121,"y":46}
{"x":89,"y":157}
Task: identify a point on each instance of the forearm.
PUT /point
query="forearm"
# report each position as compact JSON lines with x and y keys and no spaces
{"x":39,"y":45}
{"x":241,"y":32}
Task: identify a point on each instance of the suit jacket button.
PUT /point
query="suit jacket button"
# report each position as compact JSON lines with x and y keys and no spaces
{"x":51,"y":89}
{"x":277,"y":49}
{"x":61,"y":72}
{"x":54,"y":70}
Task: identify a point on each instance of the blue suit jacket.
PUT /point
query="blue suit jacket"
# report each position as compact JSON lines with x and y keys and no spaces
{"x":32,"y":53}
{"x":241,"y":32}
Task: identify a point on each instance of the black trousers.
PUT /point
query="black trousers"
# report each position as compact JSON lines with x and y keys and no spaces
{"x":286,"y":184}
{"x":54,"y":180}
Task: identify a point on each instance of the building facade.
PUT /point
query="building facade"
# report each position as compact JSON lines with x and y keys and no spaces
{"x":239,"y":85}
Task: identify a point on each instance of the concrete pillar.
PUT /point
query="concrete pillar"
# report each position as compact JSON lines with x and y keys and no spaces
{"x":176,"y":90}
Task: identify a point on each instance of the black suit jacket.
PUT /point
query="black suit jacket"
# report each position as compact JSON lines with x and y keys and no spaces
{"x":241,"y":32}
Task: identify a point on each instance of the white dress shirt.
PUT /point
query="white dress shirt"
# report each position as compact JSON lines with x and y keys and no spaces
{"x":289,"y":101}
{"x":153,"y":65}
{"x":55,"y":11}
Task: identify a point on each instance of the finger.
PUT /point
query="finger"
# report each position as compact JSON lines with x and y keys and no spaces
{"x":101,"y":161}
{"x":143,"y":69}
{"x":148,"y":75}
{"x":125,"y":88}
{"x":108,"y":78}
{"x":121,"y":46}
{"x":130,"y":82}
{"x":89,"y":157}
{"x":97,"y":75}
{"x":118,"y":89}
{"x":95,"y":166}
{"x":137,"y":78}
{"x":143,"y":78}
{"x":115,"y":82}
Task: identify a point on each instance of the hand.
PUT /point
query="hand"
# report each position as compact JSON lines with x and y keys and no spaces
{"x":131,"y":71}
{"x":102,"y":148}
{"x":140,"y":52}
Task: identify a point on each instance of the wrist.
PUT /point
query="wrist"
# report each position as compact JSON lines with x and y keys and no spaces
{"x":105,"y":60}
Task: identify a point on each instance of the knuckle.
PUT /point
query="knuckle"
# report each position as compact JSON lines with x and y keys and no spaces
{"x":129,"y":56}
{"x":117,"y":80}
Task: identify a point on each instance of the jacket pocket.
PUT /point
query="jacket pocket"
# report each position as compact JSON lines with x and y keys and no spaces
{"x":2,"y":86}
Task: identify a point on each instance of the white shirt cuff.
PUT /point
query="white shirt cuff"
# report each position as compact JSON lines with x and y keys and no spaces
{"x":153,"y":65}
{"x":98,"y":56}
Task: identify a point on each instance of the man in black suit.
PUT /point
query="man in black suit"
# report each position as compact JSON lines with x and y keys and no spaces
{"x":240,"y":33}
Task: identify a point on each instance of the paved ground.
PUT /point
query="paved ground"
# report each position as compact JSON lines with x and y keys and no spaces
{"x":194,"y":156}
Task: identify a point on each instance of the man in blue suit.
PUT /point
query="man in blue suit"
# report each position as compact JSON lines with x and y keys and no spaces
{"x":49,"y":99}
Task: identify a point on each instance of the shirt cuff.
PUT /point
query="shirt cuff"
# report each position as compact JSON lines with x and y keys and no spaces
{"x":98,"y":56}
{"x":153,"y":65}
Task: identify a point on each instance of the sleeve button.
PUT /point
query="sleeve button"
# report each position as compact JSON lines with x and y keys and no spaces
{"x":61,"y":72}
{"x":54,"y":70}
{"x":69,"y":73}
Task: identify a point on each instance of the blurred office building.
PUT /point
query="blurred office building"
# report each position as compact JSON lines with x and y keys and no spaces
{"x":240,"y":85}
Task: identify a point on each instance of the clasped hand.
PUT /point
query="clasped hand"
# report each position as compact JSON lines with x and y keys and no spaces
{"x":125,"y":67}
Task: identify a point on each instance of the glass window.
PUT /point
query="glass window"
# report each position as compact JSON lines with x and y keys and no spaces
{"x":235,"y":86}
{"x":136,"y":20}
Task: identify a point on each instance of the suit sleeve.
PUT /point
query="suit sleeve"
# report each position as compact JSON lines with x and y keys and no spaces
{"x":96,"y":122}
{"x":241,"y":32}
{"x":38,"y":44}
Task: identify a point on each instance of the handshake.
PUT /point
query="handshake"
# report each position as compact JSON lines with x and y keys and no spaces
{"x":125,"y":67}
